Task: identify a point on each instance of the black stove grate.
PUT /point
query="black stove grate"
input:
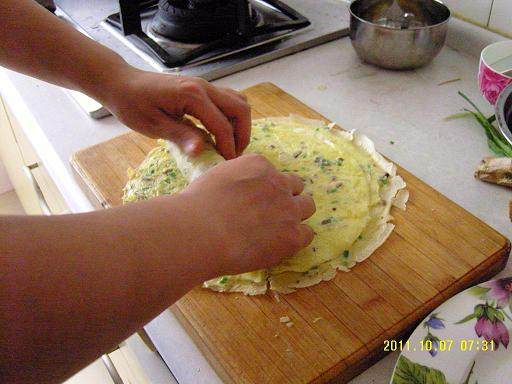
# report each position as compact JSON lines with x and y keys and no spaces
{"x":129,"y":21}
{"x":202,"y":21}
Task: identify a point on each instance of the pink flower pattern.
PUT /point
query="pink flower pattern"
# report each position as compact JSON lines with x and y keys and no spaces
{"x":491,"y":83}
{"x":500,"y":290}
{"x":492,"y":330}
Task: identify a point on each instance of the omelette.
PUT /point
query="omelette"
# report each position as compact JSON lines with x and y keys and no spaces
{"x":353,"y":187}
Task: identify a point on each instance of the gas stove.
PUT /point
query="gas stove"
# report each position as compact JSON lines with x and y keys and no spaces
{"x":214,"y":38}
{"x":179,"y":34}
{"x":207,"y":38}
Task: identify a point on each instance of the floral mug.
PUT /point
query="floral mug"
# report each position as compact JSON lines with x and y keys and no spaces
{"x":495,"y":71}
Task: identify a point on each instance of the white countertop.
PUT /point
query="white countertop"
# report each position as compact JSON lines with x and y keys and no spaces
{"x":407,"y":108}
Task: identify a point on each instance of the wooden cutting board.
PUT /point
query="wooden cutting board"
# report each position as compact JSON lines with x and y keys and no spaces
{"x":340,"y":326}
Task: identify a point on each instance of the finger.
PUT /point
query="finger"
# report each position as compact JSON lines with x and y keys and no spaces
{"x":306,"y":235}
{"x":238,"y":112}
{"x":293,"y":182}
{"x":191,"y":139}
{"x":215,"y":122}
{"x":234,"y":105}
{"x":306,"y":206}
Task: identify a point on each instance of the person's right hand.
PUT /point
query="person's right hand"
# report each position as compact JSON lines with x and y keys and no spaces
{"x":247,"y":215}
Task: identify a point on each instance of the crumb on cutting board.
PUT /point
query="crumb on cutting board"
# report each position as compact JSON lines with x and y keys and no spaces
{"x":284,"y":319}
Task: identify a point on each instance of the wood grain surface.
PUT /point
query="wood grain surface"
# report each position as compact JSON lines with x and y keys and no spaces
{"x":436,"y":250}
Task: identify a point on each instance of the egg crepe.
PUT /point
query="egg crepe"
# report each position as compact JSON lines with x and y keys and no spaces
{"x":353,"y":187}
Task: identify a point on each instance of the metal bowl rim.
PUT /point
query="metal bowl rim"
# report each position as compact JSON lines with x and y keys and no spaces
{"x":399,"y":29}
{"x":500,"y":112}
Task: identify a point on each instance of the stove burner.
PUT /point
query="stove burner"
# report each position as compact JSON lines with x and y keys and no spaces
{"x":184,"y":31}
{"x":201,"y":21}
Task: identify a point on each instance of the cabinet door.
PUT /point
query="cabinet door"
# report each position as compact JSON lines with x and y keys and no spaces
{"x":95,"y":373}
{"x":28,"y":154}
{"x":50,"y":195}
{"x":16,"y":168}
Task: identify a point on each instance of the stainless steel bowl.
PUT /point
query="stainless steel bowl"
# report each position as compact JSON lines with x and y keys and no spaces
{"x":504,"y":112}
{"x":408,"y":42}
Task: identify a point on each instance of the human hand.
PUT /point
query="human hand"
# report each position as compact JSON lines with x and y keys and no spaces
{"x":154,"y":104}
{"x":247,"y":215}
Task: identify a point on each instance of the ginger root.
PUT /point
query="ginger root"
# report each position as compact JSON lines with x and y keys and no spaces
{"x":497,"y":170}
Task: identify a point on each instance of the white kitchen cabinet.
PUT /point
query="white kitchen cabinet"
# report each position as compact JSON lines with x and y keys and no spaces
{"x":95,"y":373}
{"x":5,"y":183}
{"x":125,"y":366}
{"x":34,"y":187}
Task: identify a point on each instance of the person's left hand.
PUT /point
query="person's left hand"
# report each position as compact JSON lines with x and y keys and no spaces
{"x":154,"y":104}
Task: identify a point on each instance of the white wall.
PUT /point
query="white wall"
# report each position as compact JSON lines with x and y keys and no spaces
{"x":5,"y":184}
{"x":495,"y":15}
{"x":501,"y":16}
